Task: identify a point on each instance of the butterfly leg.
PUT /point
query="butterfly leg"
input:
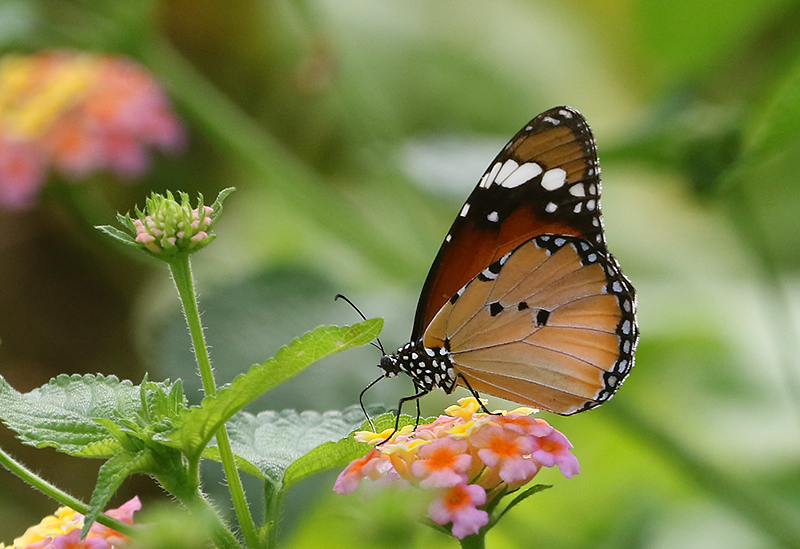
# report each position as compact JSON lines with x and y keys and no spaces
{"x":419,"y":414}
{"x":403,"y":400}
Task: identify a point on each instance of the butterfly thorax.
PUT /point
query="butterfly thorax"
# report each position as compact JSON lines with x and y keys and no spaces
{"x":429,"y":368}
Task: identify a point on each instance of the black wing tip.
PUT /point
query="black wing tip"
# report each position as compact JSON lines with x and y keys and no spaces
{"x":563,"y":114}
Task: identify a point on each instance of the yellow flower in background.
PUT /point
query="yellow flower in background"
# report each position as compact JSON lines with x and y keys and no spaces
{"x":62,"y":531}
{"x":62,"y":522}
{"x":77,"y":113}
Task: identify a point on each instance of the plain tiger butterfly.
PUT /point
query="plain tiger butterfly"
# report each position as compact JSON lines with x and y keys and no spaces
{"x":523,"y":300}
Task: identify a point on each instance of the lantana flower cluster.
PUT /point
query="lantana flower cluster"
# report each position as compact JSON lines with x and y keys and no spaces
{"x":62,"y":530}
{"x":78,"y":113}
{"x":466,"y":458}
{"x":169,"y":227}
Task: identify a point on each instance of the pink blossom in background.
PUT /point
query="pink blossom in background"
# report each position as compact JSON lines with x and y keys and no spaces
{"x":78,"y":113}
{"x":62,"y":530}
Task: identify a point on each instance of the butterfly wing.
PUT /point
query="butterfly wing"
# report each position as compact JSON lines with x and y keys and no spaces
{"x":545,"y":180}
{"x":551,"y":325}
{"x":524,"y":294}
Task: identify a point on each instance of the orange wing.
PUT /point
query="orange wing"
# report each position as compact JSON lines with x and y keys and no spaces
{"x":551,"y":325}
{"x":545,"y":180}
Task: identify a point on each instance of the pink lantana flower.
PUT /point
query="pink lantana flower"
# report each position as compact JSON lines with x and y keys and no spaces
{"x":62,"y":531}
{"x":123,"y":513}
{"x":459,"y":506}
{"x":469,"y":457}
{"x":506,"y":451}
{"x":554,"y":449}
{"x":442,"y":463}
{"x":350,"y":478}
{"x":73,"y":541}
{"x":524,"y":424}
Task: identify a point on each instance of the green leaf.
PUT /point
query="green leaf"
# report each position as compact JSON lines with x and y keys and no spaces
{"x":763,"y":190}
{"x":212,"y":452}
{"x":776,"y":124}
{"x":521,"y":497}
{"x":110,"y":477}
{"x":271,"y":441}
{"x":199,"y":423}
{"x":117,"y":234}
{"x":63,"y":413}
{"x":217,"y":205}
{"x":92,"y":415}
{"x":338,"y":454}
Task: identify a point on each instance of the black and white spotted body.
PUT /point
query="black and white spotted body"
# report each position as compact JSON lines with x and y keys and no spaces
{"x":429,"y":368}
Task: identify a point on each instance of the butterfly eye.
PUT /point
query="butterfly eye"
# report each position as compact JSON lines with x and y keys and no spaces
{"x":389,"y":365}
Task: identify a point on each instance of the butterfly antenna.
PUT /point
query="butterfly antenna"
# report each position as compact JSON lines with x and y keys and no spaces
{"x":379,"y":346}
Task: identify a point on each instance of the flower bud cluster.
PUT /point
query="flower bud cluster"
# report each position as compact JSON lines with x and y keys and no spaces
{"x":168,"y":227}
{"x":467,"y":458}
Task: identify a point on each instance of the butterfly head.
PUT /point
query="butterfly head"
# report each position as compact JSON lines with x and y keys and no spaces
{"x":389,"y":365}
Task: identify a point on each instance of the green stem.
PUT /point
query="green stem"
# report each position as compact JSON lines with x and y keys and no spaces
{"x":59,"y":495}
{"x":199,"y":506}
{"x":475,"y":541}
{"x":273,"y":506}
{"x":184,"y":283}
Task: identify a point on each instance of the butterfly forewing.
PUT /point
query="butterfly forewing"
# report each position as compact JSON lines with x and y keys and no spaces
{"x":545,"y":180}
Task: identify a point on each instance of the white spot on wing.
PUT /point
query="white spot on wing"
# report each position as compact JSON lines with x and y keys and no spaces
{"x":489,"y":178}
{"x":522,"y":175}
{"x":464,"y":210}
{"x":551,"y":207}
{"x":493,"y":217}
{"x":577,"y":190}
{"x":508,"y":167}
{"x":552,"y":121}
{"x":554,"y":179}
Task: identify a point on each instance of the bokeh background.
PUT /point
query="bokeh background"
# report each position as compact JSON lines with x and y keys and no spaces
{"x":354,"y":130}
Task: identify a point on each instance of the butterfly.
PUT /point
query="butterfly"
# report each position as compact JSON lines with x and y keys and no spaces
{"x":523,"y":300}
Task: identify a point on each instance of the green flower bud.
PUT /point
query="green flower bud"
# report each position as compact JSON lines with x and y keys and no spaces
{"x":168,"y":227}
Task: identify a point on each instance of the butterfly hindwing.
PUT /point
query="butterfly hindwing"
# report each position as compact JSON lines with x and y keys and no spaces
{"x":545,"y":180}
{"x":552,"y":327}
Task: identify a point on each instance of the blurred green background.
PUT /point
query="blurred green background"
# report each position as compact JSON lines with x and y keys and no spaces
{"x":354,"y":130}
